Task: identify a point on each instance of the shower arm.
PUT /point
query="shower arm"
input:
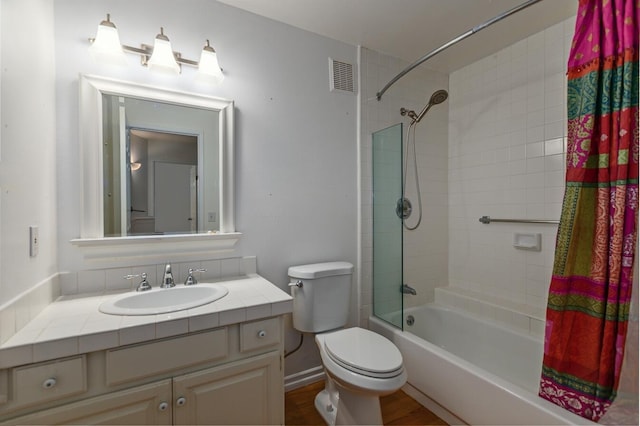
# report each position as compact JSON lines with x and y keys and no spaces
{"x":454,"y":41}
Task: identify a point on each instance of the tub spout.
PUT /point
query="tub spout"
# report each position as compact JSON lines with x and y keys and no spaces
{"x":407,"y":289}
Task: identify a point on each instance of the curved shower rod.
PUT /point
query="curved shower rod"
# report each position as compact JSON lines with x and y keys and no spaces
{"x":454,"y":41}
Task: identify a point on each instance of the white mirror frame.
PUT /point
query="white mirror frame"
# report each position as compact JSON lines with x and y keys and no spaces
{"x":92,"y":238}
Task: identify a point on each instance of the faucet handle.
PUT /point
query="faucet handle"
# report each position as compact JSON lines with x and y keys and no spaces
{"x":191,"y":280}
{"x":144,"y":284}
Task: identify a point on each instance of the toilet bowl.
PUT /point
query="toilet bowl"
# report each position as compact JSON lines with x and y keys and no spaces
{"x":360,"y":365}
{"x":361,"y":357}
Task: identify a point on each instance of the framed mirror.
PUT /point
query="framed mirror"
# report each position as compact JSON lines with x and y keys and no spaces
{"x":157,"y":164}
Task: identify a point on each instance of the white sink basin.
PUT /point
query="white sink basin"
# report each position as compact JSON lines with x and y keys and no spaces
{"x":163,"y":300}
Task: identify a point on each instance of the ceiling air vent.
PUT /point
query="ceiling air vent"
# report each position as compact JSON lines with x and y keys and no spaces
{"x":341,"y":76}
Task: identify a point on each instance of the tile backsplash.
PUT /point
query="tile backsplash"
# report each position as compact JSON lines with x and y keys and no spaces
{"x":112,"y":279}
{"x":17,"y":313}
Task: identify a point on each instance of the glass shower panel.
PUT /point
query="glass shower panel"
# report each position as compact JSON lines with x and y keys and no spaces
{"x":387,"y":226}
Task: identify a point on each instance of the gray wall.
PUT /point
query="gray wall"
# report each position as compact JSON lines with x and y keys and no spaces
{"x":27,"y":148}
{"x":295,"y":140}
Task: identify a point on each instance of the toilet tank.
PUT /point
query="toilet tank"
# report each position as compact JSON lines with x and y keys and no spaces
{"x":321,"y":303}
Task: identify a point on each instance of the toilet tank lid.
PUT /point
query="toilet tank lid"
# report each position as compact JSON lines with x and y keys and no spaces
{"x":319,"y":270}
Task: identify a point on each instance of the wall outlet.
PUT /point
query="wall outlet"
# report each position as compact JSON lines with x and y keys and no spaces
{"x":212,"y":216}
{"x":34,"y":241}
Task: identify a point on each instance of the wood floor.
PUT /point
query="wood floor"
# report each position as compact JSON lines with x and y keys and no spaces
{"x":397,"y":408}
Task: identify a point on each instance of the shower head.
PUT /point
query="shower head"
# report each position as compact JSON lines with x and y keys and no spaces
{"x":438,"y":97}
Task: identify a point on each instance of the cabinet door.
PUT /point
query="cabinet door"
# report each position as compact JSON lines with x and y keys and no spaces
{"x":243,"y":392}
{"x":143,"y":405}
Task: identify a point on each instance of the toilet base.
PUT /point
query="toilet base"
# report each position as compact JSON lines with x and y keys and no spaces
{"x":347,"y":407}
{"x":326,"y":407}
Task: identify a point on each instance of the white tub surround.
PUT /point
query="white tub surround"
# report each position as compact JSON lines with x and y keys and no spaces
{"x":507,"y":156}
{"x":94,"y":363}
{"x":477,"y":369}
{"x":519,"y":316}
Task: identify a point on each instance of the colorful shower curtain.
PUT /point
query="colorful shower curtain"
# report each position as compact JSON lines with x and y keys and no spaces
{"x":588,"y":305}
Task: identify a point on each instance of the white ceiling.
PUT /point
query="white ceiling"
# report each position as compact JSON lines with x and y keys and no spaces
{"x":408,"y":29}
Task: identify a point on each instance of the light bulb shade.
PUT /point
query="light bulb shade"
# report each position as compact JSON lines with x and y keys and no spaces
{"x":106,"y":46}
{"x":135,"y":165}
{"x":162,"y":58}
{"x":208,"y":68}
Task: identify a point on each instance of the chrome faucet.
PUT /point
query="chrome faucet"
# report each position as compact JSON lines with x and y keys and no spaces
{"x":167,"y":279}
{"x":407,"y":289}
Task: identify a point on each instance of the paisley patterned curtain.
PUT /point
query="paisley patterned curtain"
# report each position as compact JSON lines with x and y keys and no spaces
{"x":589,"y":295}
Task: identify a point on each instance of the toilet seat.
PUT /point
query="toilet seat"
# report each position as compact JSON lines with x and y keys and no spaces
{"x":364,"y":352}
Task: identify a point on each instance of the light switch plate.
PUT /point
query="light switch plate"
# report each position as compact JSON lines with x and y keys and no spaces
{"x":34,"y":241}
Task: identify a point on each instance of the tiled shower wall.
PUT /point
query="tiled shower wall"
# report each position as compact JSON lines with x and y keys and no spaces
{"x":496,"y":147}
{"x":425,"y":249}
{"x":507,"y":144}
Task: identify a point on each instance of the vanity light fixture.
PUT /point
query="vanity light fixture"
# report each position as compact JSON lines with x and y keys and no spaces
{"x":208,"y":68}
{"x":106,"y":46}
{"x":161,"y":57}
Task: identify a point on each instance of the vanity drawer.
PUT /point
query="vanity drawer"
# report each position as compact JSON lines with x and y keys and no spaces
{"x":259,"y":334}
{"x":150,"y":359}
{"x":39,"y":383}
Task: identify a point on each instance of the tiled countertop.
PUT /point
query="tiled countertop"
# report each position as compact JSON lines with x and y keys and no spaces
{"x":73,"y":324}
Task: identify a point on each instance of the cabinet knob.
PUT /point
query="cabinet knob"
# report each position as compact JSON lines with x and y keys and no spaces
{"x":49,"y":383}
{"x":181,"y":401}
{"x":163,"y":406}
{"x":262,"y":334}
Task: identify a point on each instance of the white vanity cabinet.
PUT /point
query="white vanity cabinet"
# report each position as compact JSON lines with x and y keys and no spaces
{"x":239,"y":393}
{"x":228,"y":375}
{"x":147,"y":404}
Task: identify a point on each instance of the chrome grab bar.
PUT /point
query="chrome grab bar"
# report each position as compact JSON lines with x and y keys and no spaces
{"x":487,"y":220}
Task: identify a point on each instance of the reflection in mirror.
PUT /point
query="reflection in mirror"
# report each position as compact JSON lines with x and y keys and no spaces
{"x":162,"y":194}
{"x":160,"y":166}
{"x":156,"y":162}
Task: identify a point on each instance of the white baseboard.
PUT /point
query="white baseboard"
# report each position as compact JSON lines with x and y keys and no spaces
{"x":432,"y":406}
{"x":303,"y":378}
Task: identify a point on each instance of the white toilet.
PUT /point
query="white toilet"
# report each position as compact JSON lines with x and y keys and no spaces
{"x":360,"y":365}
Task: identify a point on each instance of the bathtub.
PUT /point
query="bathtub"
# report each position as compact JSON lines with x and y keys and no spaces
{"x":478,"y":370}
